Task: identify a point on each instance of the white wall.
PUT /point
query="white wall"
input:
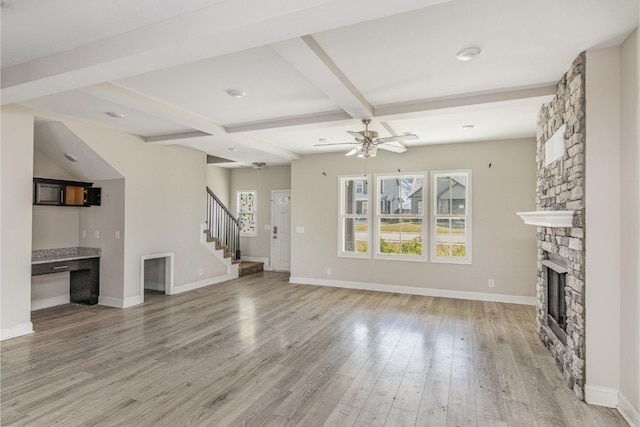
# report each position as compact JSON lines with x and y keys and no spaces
{"x":602,"y":223}
{"x":263,"y":181}
{"x":219,"y":181}
{"x":16,"y":145}
{"x":630,"y":222}
{"x":504,"y":248}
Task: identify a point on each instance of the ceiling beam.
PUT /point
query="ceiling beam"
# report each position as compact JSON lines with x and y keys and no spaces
{"x":420,"y":107}
{"x":306,"y":55}
{"x":220,"y":28}
{"x":127,"y":98}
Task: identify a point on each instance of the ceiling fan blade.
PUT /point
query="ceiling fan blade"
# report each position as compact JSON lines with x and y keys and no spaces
{"x":392,"y":147}
{"x":354,"y":134}
{"x":352,"y":152}
{"x":408,"y":137}
{"x":337,"y":143}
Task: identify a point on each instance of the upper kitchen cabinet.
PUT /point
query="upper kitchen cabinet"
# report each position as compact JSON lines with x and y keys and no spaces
{"x":55,"y":192}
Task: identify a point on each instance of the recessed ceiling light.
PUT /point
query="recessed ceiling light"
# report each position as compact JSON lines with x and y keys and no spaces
{"x":468,"y":54}
{"x":407,"y":133}
{"x":236,"y":93}
{"x":468,"y":127}
{"x":70,"y":157}
{"x":322,"y":139}
{"x":233,"y":149}
{"x":114,"y":114}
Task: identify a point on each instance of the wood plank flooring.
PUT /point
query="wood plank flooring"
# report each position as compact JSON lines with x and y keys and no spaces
{"x":260,"y":351}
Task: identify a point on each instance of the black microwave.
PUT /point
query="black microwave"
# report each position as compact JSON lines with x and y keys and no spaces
{"x":48,"y":193}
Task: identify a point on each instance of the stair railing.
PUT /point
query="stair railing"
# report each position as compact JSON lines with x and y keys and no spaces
{"x":222,"y":224}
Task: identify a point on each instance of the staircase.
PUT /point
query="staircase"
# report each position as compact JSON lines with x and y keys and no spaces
{"x":223,"y":228}
{"x":248,"y":267}
{"x":222,"y":236}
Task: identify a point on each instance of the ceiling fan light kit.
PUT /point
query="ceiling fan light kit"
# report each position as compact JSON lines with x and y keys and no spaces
{"x":367,"y":142}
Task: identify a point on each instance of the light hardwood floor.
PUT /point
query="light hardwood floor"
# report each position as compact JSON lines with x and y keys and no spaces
{"x":261,"y":351}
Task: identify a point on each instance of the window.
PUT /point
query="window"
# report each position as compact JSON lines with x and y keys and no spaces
{"x":451,"y":241}
{"x":248,"y":213}
{"x":354,"y":216}
{"x":400,"y":230}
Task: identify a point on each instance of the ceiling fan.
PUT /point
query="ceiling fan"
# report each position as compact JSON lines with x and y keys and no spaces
{"x":367,"y":142}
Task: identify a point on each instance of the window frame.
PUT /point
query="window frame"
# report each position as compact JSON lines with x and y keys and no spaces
{"x":377,"y":216}
{"x":434,"y":216}
{"x":240,"y":212}
{"x":342,"y":215}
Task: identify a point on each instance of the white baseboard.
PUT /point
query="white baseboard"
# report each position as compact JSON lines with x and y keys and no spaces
{"x":601,"y":396}
{"x":111,"y":302}
{"x":131,"y":301}
{"x":262,"y":259}
{"x":412,"y":290}
{"x":626,"y":409}
{"x":49,"y":302}
{"x":16,"y":331}
{"x":202,"y":283}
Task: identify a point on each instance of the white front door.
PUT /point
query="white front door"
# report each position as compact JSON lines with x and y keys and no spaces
{"x":280,"y":230}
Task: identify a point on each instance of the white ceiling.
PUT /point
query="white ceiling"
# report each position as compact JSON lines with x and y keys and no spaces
{"x":311,"y":68}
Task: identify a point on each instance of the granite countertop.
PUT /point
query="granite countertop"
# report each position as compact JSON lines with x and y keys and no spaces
{"x":40,"y":256}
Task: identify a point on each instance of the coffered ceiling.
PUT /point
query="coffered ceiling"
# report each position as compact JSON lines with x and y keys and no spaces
{"x":311,"y":69}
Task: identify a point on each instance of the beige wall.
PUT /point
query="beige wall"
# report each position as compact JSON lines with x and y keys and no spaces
{"x":16,"y":147}
{"x":64,"y":232}
{"x":602,"y":220}
{"x":219,"y":181}
{"x":108,"y":219}
{"x":504,"y":248}
{"x":263,"y":181}
{"x":165,"y":203}
{"x":164,"y":207}
{"x":630,"y":222}
{"x":613,"y":229}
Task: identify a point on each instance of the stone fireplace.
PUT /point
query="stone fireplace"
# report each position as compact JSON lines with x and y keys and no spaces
{"x":561,"y":246}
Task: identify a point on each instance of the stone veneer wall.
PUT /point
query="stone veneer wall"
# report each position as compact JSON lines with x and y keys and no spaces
{"x":560,"y":186}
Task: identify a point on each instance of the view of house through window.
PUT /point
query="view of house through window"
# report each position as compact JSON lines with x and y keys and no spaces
{"x":247,"y":212}
{"x":398,"y":226}
{"x":354,"y":216}
{"x":400,"y":219}
{"x":451,"y":216}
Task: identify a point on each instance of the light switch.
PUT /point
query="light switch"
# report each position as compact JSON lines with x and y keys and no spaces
{"x":117,"y":234}
{"x":96,"y":234}
{"x":267,"y":227}
{"x":300,"y":230}
{"x":84,"y":233}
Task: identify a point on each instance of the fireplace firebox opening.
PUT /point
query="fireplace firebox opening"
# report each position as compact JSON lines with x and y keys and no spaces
{"x":556,"y":277}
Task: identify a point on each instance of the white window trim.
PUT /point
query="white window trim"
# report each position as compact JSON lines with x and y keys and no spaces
{"x":255,"y":211}
{"x":375,"y":220}
{"x":341,"y":252}
{"x":432,"y":217}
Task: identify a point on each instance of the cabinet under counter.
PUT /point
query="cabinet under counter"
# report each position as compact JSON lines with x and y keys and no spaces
{"x":83,"y":264}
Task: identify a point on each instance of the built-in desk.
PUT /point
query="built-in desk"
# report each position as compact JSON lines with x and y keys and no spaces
{"x":83,"y":264}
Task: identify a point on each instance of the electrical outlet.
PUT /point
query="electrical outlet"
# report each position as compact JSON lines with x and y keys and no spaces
{"x":200,"y":273}
{"x":96,"y":234}
{"x":117,"y":234}
{"x":492,"y":283}
{"x":84,"y":233}
{"x":329,"y":271}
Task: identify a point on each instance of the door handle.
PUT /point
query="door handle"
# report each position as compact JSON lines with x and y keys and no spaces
{"x":275,"y":229}
{"x":275,"y":237}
